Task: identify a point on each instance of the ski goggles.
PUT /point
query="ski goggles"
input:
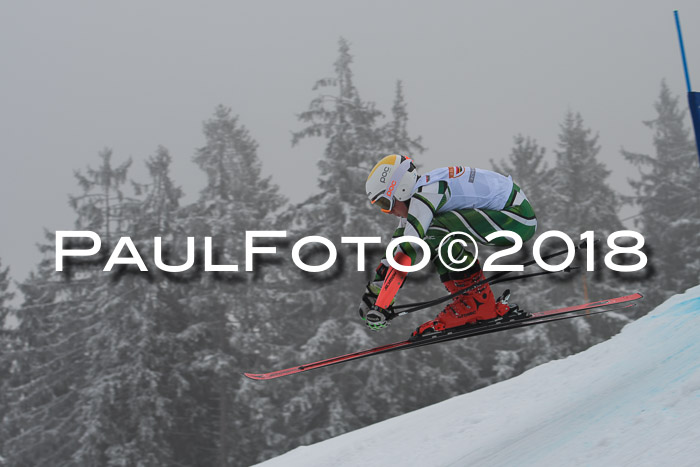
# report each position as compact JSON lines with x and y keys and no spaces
{"x":385,"y":200}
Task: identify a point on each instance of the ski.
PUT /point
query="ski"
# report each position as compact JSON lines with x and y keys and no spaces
{"x":588,"y":309}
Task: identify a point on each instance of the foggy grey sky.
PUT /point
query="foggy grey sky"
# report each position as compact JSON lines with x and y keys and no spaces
{"x":78,"y":76}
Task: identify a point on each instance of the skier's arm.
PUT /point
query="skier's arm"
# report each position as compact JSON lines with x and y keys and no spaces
{"x":424,"y":204}
{"x":377,"y":318}
{"x":382,"y":271}
{"x":392,"y":282}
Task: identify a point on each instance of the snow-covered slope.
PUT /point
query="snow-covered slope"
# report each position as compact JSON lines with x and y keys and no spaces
{"x":632,"y":400}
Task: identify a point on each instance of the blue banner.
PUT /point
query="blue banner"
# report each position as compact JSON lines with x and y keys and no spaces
{"x":694,"y":103}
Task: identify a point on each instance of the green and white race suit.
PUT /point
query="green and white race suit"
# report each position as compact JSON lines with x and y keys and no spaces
{"x":464,"y":199}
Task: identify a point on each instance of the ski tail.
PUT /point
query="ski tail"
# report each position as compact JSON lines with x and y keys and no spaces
{"x":328,"y":361}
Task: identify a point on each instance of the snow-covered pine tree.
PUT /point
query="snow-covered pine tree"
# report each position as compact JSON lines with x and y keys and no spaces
{"x":161,"y":198}
{"x":527,"y":165}
{"x":321,"y":306}
{"x":99,"y":408}
{"x":50,"y":417}
{"x":48,"y":370}
{"x":350,"y":126}
{"x":232,"y":312}
{"x":395,"y":136}
{"x":8,"y":344}
{"x":136,"y":383}
{"x":666,"y":193}
{"x":175,"y":336}
{"x":322,"y":313}
{"x":581,"y":200}
{"x":102,"y":206}
{"x":581,"y":197}
{"x":6,"y":295}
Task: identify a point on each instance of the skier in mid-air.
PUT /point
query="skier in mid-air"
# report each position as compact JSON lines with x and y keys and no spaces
{"x":431,"y":207}
{"x":445,"y":200}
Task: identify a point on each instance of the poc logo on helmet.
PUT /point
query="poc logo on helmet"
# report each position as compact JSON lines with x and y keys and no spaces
{"x":391,"y":188}
{"x":385,"y":171}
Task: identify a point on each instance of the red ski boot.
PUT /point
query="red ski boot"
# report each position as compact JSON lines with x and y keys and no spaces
{"x":478,"y":304}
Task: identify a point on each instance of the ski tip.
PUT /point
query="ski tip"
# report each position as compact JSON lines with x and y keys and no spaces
{"x":268,"y":376}
{"x":254,"y":376}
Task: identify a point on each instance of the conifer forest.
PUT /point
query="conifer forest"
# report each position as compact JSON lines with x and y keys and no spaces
{"x":133,"y":368}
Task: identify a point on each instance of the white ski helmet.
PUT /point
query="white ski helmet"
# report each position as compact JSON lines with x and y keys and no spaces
{"x":393,"y":178}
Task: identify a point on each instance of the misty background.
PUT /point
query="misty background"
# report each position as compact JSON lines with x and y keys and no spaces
{"x":173,"y":120}
{"x":79,"y":76}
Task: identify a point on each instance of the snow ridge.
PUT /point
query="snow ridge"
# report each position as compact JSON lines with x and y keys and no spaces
{"x":632,"y":400}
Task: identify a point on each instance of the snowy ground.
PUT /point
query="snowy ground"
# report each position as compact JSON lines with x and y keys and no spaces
{"x":632,"y":400}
